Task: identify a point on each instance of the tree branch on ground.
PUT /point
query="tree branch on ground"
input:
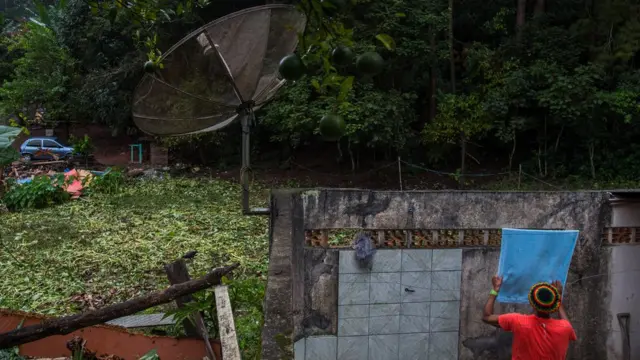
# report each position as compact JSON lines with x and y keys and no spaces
{"x":69,"y":324}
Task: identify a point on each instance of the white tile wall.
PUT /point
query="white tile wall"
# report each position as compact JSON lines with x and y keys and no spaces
{"x":407,"y":307}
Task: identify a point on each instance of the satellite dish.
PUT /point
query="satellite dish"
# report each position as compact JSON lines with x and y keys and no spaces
{"x":222,"y":71}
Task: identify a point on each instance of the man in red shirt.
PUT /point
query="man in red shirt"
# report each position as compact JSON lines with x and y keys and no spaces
{"x":536,"y":336}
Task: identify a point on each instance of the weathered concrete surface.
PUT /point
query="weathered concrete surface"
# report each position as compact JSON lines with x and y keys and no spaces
{"x":588,"y":212}
{"x":278,"y":320}
{"x":479,"y":341}
{"x":321,"y":295}
{"x":623,"y":296}
{"x":297,"y":264}
{"x":335,"y":209}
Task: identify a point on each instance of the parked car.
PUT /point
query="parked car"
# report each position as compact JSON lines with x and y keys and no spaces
{"x":45,"y":148}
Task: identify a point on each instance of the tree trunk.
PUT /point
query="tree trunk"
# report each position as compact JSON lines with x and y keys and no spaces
{"x":555,"y":148}
{"x":513,"y":150}
{"x":202,"y":154}
{"x":546,"y":157}
{"x":69,"y":324}
{"x":432,"y":76}
{"x":67,"y":130}
{"x":592,"y":152}
{"x":521,"y":13}
{"x":452,"y":62}
{"x":463,"y":155}
{"x":353,"y":162}
{"x":177,"y":273}
{"x":538,"y":9}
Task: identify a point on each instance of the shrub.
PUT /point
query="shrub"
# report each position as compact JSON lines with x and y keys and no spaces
{"x":41,"y":192}
{"x":109,"y":183}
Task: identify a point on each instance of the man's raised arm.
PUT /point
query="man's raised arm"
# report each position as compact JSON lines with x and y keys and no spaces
{"x":561,"y":312}
{"x":487,"y":314}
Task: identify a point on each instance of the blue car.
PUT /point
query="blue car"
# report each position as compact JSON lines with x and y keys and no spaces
{"x":45,"y":148}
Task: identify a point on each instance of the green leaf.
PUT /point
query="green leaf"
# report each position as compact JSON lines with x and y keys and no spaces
{"x":151,"y":355}
{"x":179,"y":9}
{"x":387,"y":41}
{"x":113,"y":14}
{"x":166,"y":15}
{"x":7,"y":135}
{"x":345,"y":87}
{"x":317,"y":6}
{"x":400,"y":15}
{"x":42,"y":12}
{"x":7,"y":156}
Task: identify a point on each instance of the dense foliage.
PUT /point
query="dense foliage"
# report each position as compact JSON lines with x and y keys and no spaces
{"x":550,"y":85}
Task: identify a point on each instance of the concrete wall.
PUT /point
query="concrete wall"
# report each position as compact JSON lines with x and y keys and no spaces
{"x":625,"y":211}
{"x":406,"y":306}
{"x":585,"y":211}
{"x":479,"y":341}
{"x":312,"y":274}
{"x":623,"y":285}
{"x":623,"y":296}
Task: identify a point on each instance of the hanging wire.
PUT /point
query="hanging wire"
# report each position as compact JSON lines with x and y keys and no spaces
{"x":340,"y":175}
{"x":541,"y":181}
{"x":433,"y":171}
{"x":453,"y":174}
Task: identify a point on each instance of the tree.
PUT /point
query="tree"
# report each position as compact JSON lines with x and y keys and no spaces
{"x":7,"y":153}
{"x":42,"y":76}
{"x":461,"y":118}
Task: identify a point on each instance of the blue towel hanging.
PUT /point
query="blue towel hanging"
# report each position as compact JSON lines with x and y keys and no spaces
{"x":528,"y":257}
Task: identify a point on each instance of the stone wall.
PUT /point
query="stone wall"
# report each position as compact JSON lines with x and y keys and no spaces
{"x":312,"y":274}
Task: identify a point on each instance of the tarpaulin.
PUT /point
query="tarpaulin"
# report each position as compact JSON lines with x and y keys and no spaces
{"x":75,"y":180}
{"x":528,"y":257}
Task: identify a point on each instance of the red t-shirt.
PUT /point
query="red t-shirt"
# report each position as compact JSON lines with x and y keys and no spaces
{"x":536,"y":338}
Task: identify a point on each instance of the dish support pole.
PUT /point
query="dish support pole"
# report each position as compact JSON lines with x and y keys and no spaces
{"x":247,"y":117}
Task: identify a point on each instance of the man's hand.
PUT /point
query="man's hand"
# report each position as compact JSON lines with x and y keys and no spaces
{"x":558,"y":285}
{"x":496,"y":281}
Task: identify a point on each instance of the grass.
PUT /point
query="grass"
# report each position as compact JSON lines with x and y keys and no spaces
{"x":113,"y":247}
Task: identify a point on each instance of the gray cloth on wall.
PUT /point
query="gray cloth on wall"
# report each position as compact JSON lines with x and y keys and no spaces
{"x":365,"y":250}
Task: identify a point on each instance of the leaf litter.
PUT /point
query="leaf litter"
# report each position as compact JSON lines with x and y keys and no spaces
{"x":109,"y":248}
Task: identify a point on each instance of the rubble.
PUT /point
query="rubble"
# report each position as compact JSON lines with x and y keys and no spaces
{"x":21,"y":171}
{"x":75,"y":180}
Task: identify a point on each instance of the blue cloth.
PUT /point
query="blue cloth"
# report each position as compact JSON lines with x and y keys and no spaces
{"x":528,"y":257}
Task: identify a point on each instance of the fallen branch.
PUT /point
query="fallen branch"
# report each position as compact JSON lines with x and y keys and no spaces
{"x":46,"y":162}
{"x":69,"y":324}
